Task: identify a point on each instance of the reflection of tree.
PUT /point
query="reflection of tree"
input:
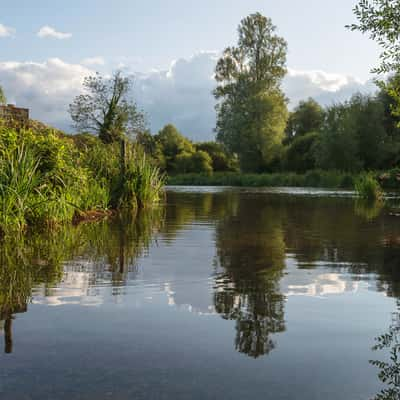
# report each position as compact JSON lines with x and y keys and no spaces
{"x":38,"y":259}
{"x":368,"y":209}
{"x":251,"y":249}
{"x":390,"y":370}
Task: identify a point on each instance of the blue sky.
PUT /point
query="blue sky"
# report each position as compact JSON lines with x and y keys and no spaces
{"x":146,"y":37}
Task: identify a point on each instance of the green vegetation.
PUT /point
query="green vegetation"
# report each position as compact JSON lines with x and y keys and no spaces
{"x":47,"y":178}
{"x":310,"y":146}
{"x":368,"y":188}
{"x":251,"y":109}
{"x":316,"y":178}
{"x":107,"y":108}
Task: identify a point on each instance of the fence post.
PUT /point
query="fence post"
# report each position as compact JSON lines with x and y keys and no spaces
{"x":123,"y":156}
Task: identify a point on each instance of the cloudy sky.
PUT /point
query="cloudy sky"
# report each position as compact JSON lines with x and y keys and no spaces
{"x":47,"y":47}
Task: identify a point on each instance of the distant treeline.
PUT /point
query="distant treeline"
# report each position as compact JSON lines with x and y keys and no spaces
{"x":256,"y":133}
{"x":359,"y":134}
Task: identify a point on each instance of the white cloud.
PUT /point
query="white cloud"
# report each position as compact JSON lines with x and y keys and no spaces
{"x":93,"y":61}
{"x":180,"y":95}
{"x":47,"y":31}
{"x":46,"y":88}
{"x":6,"y":31}
{"x":324,"y":87}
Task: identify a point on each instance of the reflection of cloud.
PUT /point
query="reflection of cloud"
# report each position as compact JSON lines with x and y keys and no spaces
{"x":73,"y":289}
{"x":316,"y":281}
{"x":323,"y":285}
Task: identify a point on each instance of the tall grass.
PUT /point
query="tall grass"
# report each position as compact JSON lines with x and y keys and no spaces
{"x":20,"y":185}
{"x":368,"y":188}
{"x":47,"y":178}
{"x":142,"y":179}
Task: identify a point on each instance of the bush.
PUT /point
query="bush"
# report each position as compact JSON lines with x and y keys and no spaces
{"x":47,"y":177}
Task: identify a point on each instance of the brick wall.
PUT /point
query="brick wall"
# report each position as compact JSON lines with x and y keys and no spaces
{"x":15,"y":115}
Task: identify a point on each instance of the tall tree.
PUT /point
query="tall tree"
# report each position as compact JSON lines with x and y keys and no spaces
{"x":107,"y":108}
{"x":307,"y":117}
{"x":251,"y":109}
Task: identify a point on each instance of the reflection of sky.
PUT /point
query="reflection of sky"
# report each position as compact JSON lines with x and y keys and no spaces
{"x":187,"y":282}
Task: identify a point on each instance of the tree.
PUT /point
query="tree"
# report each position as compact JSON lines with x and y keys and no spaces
{"x":307,"y":117}
{"x":338,"y":147}
{"x":251,"y":113}
{"x":107,"y":108}
{"x":300,"y":154}
{"x":353,"y":136}
{"x":3,"y":99}
{"x":222,"y":161}
{"x":380,"y":18}
{"x":172,"y":143}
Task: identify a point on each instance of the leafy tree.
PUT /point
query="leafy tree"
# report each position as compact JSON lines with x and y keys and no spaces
{"x":300,"y":154}
{"x":106,"y":108}
{"x":307,"y":117}
{"x":199,"y":162}
{"x":380,"y":18}
{"x":354,"y":136}
{"x":338,"y":148}
{"x":3,"y":99}
{"x":221,"y":159}
{"x":251,"y":113}
{"x":152,"y":148}
{"x":172,"y":141}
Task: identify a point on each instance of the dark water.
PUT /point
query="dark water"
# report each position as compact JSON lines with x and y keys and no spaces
{"x":228,"y":294}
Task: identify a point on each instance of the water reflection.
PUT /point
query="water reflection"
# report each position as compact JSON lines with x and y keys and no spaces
{"x":230,"y":270}
{"x":251,"y":250}
{"x":61,"y":266}
{"x":389,"y":371}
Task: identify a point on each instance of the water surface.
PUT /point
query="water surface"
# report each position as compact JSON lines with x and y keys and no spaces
{"x":227,"y":293}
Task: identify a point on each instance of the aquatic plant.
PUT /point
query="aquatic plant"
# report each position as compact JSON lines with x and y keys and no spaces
{"x":368,"y":188}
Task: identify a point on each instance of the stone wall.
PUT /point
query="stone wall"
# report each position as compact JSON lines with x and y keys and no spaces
{"x":14,"y":115}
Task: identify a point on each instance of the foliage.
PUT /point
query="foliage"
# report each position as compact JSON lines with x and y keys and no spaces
{"x":106,"y":108}
{"x":251,"y":113}
{"x":172,"y":143}
{"x":316,"y":178}
{"x":380,"y":19}
{"x":47,"y":178}
{"x":389,"y":370}
{"x":221,"y":159}
{"x":368,"y":188}
{"x":307,"y":117}
{"x":300,"y":154}
{"x":353,"y":136}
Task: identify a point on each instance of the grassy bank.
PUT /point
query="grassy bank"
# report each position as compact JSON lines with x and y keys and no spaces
{"x":49,"y":178}
{"x":324,"y":179}
{"x":316,"y":178}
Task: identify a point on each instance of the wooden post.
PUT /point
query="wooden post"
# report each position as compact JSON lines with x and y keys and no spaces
{"x":123,"y":156}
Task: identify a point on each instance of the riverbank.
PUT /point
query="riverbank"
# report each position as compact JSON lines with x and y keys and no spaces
{"x":48,"y":178}
{"x":316,"y":178}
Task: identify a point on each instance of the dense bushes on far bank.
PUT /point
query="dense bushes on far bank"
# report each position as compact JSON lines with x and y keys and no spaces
{"x":314,"y":178}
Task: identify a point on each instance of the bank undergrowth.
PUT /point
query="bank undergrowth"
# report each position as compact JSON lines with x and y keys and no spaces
{"x":48,"y":178}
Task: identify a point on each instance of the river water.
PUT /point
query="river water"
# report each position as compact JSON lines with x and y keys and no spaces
{"x":223,"y":294}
